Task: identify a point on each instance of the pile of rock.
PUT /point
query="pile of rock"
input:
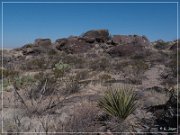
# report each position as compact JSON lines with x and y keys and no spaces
{"x":116,"y":45}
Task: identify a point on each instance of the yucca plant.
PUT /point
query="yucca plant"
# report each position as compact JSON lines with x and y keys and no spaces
{"x":119,"y":102}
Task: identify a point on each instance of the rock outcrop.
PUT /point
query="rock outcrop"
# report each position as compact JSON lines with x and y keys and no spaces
{"x":131,"y":39}
{"x":42,"y":42}
{"x":96,"y":35}
{"x":125,"y":50}
{"x":73,"y":45}
{"x":126,"y":45}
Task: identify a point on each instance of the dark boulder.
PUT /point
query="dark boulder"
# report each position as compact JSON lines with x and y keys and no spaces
{"x":96,"y":35}
{"x":73,"y":45}
{"x":60,"y":43}
{"x":166,"y":114}
{"x":125,"y":50}
{"x":175,"y":46}
{"x":42,"y":42}
{"x":130,"y":39}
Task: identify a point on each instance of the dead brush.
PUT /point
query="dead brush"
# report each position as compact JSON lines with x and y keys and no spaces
{"x":84,"y":118}
{"x":72,"y":86}
{"x":81,"y":75}
{"x":38,"y":99}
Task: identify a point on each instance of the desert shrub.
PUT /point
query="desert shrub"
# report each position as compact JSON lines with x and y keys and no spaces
{"x":102,"y":64}
{"x":39,"y":63}
{"x":105,"y":77}
{"x":8,"y":73}
{"x":161,"y":45}
{"x":173,"y":63}
{"x":142,"y":55}
{"x":135,"y":71}
{"x":140,"y":66}
{"x":35,"y":64}
{"x":38,"y":97}
{"x":81,"y":75}
{"x":24,"y":81}
{"x":43,"y":87}
{"x":60,"y":69}
{"x":74,"y":60}
{"x":30,"y":45}
{"x":4,"y":84}
{"x":119,"y":102}
{"x":84,"y":119}
{"x":52,"y":52}
{"x":170,"y":73}
{"x":72,"y":86}
{"x":118,"y":66}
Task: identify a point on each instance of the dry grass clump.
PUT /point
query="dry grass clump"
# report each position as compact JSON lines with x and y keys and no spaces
{"x":8,"y":73}
{"x":74,"y":60}
{"x":81,"y":75}
{"x":105,"y":77}
{"x":34,"y":64}
{"x":134,"y":71}
{"x":101,"y":64}
{"x":72,"y":86}
{"x":160,"y":45}
{"x":37,"y":96}
{"x":84,"y":119}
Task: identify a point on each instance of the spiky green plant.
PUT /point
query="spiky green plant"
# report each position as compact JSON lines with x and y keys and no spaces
{"x":119,"y":102}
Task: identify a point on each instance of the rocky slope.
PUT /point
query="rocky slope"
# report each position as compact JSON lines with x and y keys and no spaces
{"x":56,"y":87}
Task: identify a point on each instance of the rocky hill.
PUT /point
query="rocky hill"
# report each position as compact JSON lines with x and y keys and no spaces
{"x":95,"y":82}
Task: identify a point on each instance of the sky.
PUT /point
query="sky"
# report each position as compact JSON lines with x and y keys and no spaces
{"x":24,"y":22}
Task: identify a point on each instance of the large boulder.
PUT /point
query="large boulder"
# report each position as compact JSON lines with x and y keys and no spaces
{"x":96,"y":35}
{"x":42,"y":42}
{"x":175,"y":45}
{"x":61,"y":43}
{"x":73,"y":45}
{"x":130,"y":39}
{"x":126,"y":50}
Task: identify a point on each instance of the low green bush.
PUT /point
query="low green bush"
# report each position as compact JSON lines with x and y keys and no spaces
{"x":60,"y":69}
{"x":24,"y":81}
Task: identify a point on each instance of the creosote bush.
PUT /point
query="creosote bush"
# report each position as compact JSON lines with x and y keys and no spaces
{"x":24,"y":81}
{"x":81,"y":75}
{"x":8,"y":73}
{"x":72,"y":86}
{"x":105,"y":77}
{"x":119,"y":102}
{"x":84,"y":118}
{"x":101,"y":64}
